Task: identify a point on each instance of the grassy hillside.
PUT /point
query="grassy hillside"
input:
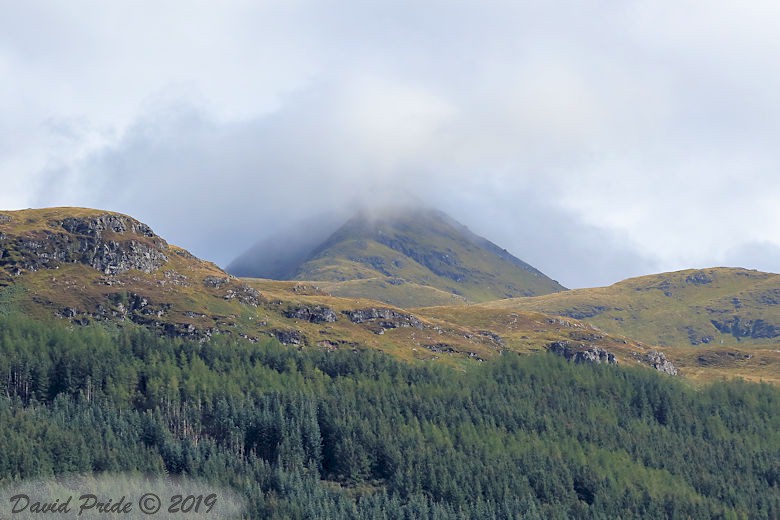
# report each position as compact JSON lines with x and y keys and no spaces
{"x":719,"y":306}
{"x":122,"y":353}
{"x":89,"y":266}
{"x":722,"y":319}
{"x":417,"y":257}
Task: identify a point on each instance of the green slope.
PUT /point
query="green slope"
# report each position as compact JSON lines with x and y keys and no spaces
{"x":717,"y":306}
{"x":423,"y":248}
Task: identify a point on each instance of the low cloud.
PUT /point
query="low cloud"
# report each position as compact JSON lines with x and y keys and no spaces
{"x":217,"y":188}
{"x":595,"y":141}
{"x":764,"y":256}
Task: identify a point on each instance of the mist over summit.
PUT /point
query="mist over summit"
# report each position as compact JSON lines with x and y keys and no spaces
{"x":378,"y":250}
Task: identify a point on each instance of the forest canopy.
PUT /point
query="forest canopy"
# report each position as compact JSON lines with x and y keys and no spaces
{"x":313,"y":433}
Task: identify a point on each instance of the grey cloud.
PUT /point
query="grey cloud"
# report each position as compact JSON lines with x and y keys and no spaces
{"x":217,"y":188}
{"x":595,"y":140}
{"x":764,"y":256}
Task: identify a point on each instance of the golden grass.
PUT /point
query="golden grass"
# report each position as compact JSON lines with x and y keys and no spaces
{"x":452,"y":334}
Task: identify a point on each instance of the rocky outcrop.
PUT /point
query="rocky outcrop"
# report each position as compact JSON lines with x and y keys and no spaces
{"x":589,"y":354}
{"x":122,"y":305}
{"x":244,"y":294}
{"x":492,"y":337}
{"x":699,"y":278}
{"x":441,"y":348}
{"x":288,"y":337}
{"x":240,"y":292}
{"x":118,"y":257}
{"x":658,"y":361}
{"x":312,"y":314}
{"x":722,"y":358}
{"x":99,"y":225}
{"x":385,"y":318}
{"x":696,"y":338}
{"x":174,"y":278}
{"x":745,"y":328}
{"x":216,"y":282}
{"x":112,"y":244}
{"x":583,"y":311}
{"x":769,"y":297}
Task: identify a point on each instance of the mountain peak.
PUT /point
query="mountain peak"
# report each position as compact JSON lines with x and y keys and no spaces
{"x":379,"y":249}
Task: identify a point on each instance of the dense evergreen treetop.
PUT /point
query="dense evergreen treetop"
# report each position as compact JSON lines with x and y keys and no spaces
{"x":357,"y":434}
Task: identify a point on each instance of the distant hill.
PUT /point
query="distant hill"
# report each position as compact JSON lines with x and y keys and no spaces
{"x":404,"y":256}
{"x":696,"y":307}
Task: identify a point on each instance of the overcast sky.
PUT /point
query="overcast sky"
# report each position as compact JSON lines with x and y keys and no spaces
{"x":595,"y":140}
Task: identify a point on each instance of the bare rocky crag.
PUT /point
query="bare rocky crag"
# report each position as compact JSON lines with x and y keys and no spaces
{"x":110,"y":243}
{"x":658,"y":361}
{"x":746,"y":328}
{"x":381,"y":319}
{"x":312,"y":314}
{"x":582,"y":353}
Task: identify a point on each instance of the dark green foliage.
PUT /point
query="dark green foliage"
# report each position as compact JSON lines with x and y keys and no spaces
{"x":316,"y":434}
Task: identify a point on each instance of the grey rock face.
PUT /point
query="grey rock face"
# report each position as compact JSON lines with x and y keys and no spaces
{"x":112,"y":244}
{"x":118,"y":257}
{"x":589,"y":354}
{"x":288,"y":337}
{"x":658,"y":361}
{"x":244,"y":294}
{"x":314,"y":314}
{"x":745,"y":328}
{"x":389,"y":318}
{"x":96,"y":226}
{"x":4,"y":219}
{"x":699,"y":278}
{"x":215,"y":281}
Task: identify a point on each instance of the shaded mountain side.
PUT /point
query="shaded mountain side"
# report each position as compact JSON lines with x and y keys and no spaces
{"x":717,"y":306}
{"x":278,"y":256}
{"x":418,"y":248}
